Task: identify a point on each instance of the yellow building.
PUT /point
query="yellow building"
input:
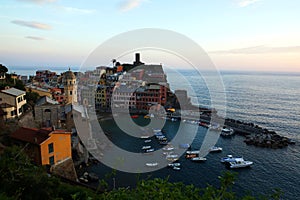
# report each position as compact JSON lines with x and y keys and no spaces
{"x":70,"y":87}
{"x":45,"y":146}
{"x":41,"y":91}
{"x":12,"y":102}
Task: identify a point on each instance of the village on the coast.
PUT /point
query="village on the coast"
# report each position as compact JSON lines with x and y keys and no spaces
{"x":38,"y":114}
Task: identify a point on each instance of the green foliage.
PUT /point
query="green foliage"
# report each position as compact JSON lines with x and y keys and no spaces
{"x":3,"y":69}
{"x":20,"y":179}
{"x":32,"y":98}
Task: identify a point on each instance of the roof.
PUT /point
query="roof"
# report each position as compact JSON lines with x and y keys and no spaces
{"x":154,"y":87}
{"x":46,"y":100}
{"x":69,"y":75}
{"x":14,"y":92}
{"x":33,"y":135}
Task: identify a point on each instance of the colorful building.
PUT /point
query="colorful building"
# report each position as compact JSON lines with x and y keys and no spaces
{"x":13,"y":102}
{"x":45,"y":146}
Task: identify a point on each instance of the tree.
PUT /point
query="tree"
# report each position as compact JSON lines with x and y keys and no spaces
{"x":3,"y":69}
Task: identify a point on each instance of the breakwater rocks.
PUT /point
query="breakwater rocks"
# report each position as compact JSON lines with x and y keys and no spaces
{"x":258,"y":136}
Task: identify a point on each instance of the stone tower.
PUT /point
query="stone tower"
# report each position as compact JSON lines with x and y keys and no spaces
{"x":70,"y":87}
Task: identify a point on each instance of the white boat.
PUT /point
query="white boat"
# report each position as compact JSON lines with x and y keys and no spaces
{"x":174,"y":164}
{"x":146,"y":147}
{"x":172,"y":156}
{"x":215,"y":149}
{"x":227,"y":132}
{"x":147,"y":141}
{"x":168,"y":148}
{"x":198,"y":159}
{"x":156,"y":130}
{"x":229,"y":158}
{"x":149,"y":150}
{"x":176,"y":168}
{"x":154,"y":164}
{"x":192,"y":152}
{"x":145,"y":136}
{"x":239,"y":163}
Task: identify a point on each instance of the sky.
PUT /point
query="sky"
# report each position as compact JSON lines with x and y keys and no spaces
{"x":244,"y":35}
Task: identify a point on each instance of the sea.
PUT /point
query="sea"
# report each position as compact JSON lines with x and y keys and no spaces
{"x":270,"y":100}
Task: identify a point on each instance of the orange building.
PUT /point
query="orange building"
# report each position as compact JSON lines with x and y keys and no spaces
{"x":45,"y":146}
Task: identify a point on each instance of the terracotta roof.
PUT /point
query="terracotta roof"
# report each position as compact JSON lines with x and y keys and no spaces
{"x":31,"y":135}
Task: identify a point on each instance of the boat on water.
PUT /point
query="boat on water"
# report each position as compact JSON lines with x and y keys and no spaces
{"x":198,"y":159}
{"x":134,"y":116}
{"x":189,"y":156}
{"x":174,"y":164}
{"x":146,"y":147}
{"x":154,"y":164}
{"x":227,"y":132}
{"x":149,"y":150}
{"x":176,"y":168}
{"x":239,"y":163}
{"x":147,"y":141}
{"x":168,"y":148}
{"x":184,"y":146}
{"x":229,"y":158}
{"x":215,"y":149}
{"x":172,"y":156}
{"x":163,"y":142}
{"x":145,"y":136}
{"x":193,"y":152}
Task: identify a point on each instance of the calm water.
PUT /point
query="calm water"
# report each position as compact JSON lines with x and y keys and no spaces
{"x":270,"y":100}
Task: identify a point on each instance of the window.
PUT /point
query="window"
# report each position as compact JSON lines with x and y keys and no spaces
{"x":12,"y":113}
{"x":0,"y":99}
{"x":50,"y":148}
{"x":70,"y":92}
{"x":51,"y":160}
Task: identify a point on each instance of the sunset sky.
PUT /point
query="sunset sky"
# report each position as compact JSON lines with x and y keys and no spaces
{"x":252,"y":35}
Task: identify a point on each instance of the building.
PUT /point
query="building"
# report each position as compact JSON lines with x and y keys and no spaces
{"x":39,"y":90}
{"x":47,"y":112}
{"x":44,"y":146}
{"x":12,"y":102}
{"x":70,"y":87}
{"x":2,"y":76}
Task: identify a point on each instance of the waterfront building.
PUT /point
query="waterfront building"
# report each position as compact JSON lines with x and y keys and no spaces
{"x":44,"y":75}
{"x":12,"y":102}
{"x":44,"y":146}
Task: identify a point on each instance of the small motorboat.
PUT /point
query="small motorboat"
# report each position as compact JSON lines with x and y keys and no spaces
{"x":176,"y":168}
{"x":168,"y":148}
{"x":239,"y":163}
{"x":174,"y":164}
{"x":227,"y":132}
{"x":198,"y":159}
{"x":134,"y":116}
{"x":154,"y":164}
{"x":172,"y":156}
{"x":229,"y":158}
{"x":149,"y":150}
{"x":147,"y":141}
{"x":193,"y":152}
{"x":215,"y":149}
{"x":184,"y":146}
{"x":188,"y":156}
{"x":146,"y":147}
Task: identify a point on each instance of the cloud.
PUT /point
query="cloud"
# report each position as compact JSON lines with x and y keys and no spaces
{"x":76,"y":10}
{"x":32,"y":24}
{"x":259,"y":50}
{"x":35,"y":38}
{"x":245,"y":3}
{"x":38,"y":1}
{"x":128,"y":5}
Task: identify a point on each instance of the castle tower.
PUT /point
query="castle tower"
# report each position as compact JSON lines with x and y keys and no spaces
{"x":70,"y":87}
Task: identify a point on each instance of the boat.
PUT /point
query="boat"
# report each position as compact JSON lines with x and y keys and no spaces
{"x":188,"y":156}
{"x":134,"y":116}
{"x":193,"y":152}
{"x":149,"y":150}
{"x":147,"y":141}
{"x":146,"y":147}
{"x":156,"y":130}
{"x":168,"y":148}
{"x":174,"y":164}
{"x":227,"y":132}
{"x":184,"y":146}
{"x":215,"y":149}
{"x":145,"y":136}
{"x":239,"y":163}
{"x":176,"y":168}
{"x":154,"y":164}
{"x":172,"y":156}
{"x":229,"y":158}
{"x":198,"y":159}
{"x":163,"y":142}
{"x":147,"y":116}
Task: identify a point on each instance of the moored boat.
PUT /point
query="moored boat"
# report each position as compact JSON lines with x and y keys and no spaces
{"x":229,"y":158}
{"x":215,"y":149}
{"x":146,"y":147}
{"x":147,"y":141}
{"x":154,"y":164}
{"x":174,"y":164}
{"x":239,"y":163}
{"x":198,"y":159}
{"x":227,"y":132}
